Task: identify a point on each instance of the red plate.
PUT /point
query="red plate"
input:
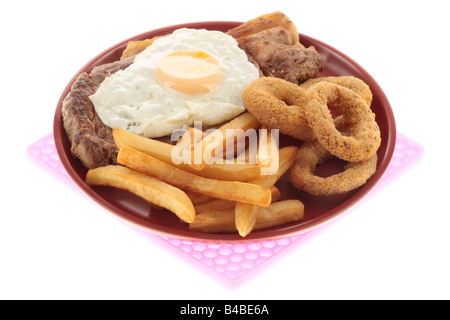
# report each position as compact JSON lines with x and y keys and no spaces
{"x":318,"y":210}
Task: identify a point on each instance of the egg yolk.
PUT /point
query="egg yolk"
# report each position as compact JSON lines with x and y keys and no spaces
{"x":190,"y":72}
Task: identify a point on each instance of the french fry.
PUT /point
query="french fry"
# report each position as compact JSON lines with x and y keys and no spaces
{"x":245,"y":213}
{"x":163,"y":151}
{"x":160,"y":150}
{"x":214,"y":205}
{"x":228,"y":190}
{"x":264,"y":22}
{"x":245,"y":217}
{"x":268,"y":155}
{"x":247,"y":156}
{"x":222,"y":221}
{"x":285,"y":160}
{"x":226,"y":171}
{"x":215,"y":188}
{"x":279,"y":213}
{"x":150,"y":189}
{"x":198,"y":198}
{"x":193,"y":136}
{"x":220,"y":204}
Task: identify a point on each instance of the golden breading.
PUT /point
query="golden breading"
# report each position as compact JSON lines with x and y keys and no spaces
{"x":135,"y":47}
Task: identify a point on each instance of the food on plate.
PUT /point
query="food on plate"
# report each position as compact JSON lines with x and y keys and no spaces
{"x":286,"y":157}
{"x":224,"y":141}
{"x":311,"y":154}
{"x":355,"y":132}
{"x":272,"y":41}
{"x":356,"y":85}
{"x":278,"y":103}
{"x":364,"y":138}
{"x":90,"y":140}
{"x":303,"y":112}
{"x":198,"y":198}
{"x":228,"y":190}
{"x":267,"y":156}
{"x":90,"y":137}
{"x":254,"y":81}
{"x":238,"y":171}
{"x":190,"y":137}
{"x":279,"y":213}
{"x":116,"y":95}
{"x":214,"y":204}
{"x":189,"y":75}
{"x":135,"y":47}
{"x":223,"y":221}
{"x":152,"y":190}
{"x":187,"y":143}
{"x":246,"y":213}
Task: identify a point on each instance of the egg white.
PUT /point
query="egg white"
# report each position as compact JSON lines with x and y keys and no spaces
{"x":132,"y":99}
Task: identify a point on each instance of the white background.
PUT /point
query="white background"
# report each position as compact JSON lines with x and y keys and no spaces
{"x":56,"y":244}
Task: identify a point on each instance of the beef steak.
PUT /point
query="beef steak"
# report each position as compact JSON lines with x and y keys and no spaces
{"x":91,"y":141}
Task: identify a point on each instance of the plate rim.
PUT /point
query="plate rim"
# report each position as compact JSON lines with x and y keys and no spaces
{"x":287,"y":230}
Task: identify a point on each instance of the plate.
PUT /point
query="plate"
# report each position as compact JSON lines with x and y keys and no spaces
{"x":318,"y":210}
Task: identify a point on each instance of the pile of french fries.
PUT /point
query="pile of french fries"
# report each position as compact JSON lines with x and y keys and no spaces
{"x":211,"y":197}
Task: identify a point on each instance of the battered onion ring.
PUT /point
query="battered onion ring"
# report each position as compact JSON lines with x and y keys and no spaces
{"x":356,"y":85}
{"x":280,"y":104}
{"x":312,"y":154}
{"x":364,"y":139}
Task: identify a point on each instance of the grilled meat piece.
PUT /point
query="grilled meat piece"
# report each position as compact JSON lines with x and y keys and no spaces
{"x":295,"y":64}
{"x":278,"y":55}
{"x":91,"y":141}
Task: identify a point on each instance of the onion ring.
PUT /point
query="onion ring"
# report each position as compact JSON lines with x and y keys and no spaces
{"x":277,"y":103}
{"x":310,"y":155}
{"x":280,"y":104}
{"x":365,"y":137}
{"x":355,"y":84}
{"x":303,"y":112}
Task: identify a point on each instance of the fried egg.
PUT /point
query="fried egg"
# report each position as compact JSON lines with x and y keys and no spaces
{"x":190,"y":75}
